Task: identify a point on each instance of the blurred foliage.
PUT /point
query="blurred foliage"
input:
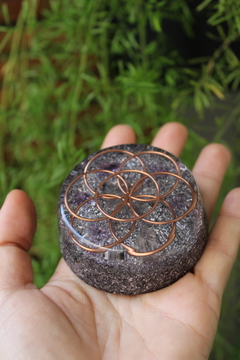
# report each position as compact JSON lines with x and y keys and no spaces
{"x":90,"y":64}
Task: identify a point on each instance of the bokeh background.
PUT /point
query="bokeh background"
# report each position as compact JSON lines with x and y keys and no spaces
{"x":70,"y":70}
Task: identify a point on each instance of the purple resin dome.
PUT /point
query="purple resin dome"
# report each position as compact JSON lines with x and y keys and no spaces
{"x":131,"y":219}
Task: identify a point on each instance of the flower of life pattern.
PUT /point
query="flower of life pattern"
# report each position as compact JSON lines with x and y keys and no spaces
{"x":127,"y":197}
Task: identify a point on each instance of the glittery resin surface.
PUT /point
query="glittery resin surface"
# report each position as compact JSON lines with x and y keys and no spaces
{"x":131,"y":219}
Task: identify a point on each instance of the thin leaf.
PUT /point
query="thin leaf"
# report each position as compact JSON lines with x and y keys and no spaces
{"x":215,"y":90}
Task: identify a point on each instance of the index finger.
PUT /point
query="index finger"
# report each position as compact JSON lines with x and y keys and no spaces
{"x":119,"y":134}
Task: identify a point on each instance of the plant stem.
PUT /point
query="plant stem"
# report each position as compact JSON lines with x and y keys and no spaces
{"x":83,"y":54}
{"x":227,"y":42}
{"x":142,"y":34}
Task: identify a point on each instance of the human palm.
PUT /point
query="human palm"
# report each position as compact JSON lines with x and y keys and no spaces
{"x":68,"y":319}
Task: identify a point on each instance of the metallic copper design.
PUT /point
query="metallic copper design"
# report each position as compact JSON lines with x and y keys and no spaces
{"x":127,"y":198}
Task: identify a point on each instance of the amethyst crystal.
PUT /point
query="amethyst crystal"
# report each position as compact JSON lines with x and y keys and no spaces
{"x":131,"y":219}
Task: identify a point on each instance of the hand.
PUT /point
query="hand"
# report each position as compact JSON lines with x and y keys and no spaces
{"x":67,"y":319}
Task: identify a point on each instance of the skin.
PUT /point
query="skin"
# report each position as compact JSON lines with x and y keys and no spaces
{"x":68,"y":319}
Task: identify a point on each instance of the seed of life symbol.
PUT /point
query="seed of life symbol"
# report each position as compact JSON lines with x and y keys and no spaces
{"x":128,"y":195}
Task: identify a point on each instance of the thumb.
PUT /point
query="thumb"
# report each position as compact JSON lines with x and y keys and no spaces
{"x":17,"y":228}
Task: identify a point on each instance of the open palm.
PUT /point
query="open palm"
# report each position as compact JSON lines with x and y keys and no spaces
{"x":68,"y":319}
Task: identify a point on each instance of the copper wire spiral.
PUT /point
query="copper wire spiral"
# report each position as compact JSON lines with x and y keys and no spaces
{"x":127,"y":198}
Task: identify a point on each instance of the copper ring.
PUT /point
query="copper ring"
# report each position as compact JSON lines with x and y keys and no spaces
{"x":126,"y":199}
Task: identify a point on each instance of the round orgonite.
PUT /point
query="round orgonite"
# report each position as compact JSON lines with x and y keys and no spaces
{"x":131,"y":219}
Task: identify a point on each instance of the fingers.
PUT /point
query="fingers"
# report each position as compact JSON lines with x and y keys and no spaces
{"x":209,"y":172}
{"x":171,"y":137}
{"x":17,"y":224}
{"x":218,"y":258}
{"x":119,"y":134}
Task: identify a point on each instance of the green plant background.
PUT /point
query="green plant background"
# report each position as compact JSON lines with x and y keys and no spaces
{"x":88,"y":65}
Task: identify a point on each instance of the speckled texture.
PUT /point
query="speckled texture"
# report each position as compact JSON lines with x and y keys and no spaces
{"x":115,"y":270}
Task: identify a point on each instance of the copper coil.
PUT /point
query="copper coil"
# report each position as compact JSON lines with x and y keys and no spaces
{"x":127,"y":198}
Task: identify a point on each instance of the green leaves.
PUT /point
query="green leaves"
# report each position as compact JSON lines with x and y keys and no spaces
{"x":204,"y":4}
